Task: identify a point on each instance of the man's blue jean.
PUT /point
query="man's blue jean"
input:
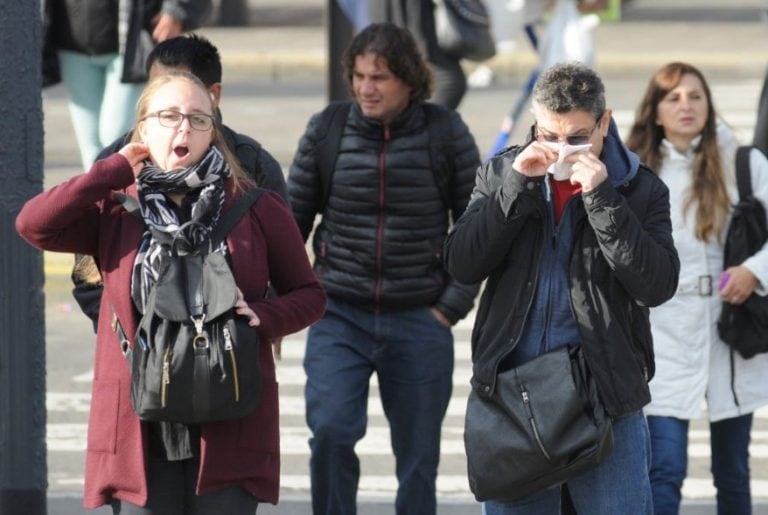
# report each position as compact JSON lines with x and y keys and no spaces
{"x":729,"y":442}
{"x":617,"y":485}
{"x":412,"y":355}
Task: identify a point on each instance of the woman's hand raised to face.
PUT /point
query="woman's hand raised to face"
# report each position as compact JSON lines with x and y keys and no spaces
{"x":135,"y":153}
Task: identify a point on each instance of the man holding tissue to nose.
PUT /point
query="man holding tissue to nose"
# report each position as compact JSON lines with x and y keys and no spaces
{"x":574,"y":238}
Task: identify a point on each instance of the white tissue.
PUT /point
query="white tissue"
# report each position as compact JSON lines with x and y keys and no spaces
{"x":560,"y":170}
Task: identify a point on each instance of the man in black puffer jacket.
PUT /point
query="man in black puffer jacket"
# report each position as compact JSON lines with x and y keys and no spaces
{"x":385,"y":199}
{"x":572,"y":258}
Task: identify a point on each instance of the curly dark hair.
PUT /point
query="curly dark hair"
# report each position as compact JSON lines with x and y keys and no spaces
{"x":398,"y":48}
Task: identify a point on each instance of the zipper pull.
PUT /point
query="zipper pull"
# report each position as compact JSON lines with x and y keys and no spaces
{"x":227,"y":339}
{"x":525,"y":397}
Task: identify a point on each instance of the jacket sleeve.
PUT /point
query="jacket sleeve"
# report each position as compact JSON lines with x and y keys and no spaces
{"x":466,"y":160}
{"x":191,"y":13}
{"x":304,"y":189}
{"x":457,"y":298}
{"x":758,"y":263}
{"x":641,"y":252}
{"x":271,"y":174}
{"x":66,"y":217}
{"x":300,"y":298}
{"x":501,"y":202}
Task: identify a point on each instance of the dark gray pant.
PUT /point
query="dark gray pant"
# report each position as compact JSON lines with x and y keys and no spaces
{"x":172,"y":492}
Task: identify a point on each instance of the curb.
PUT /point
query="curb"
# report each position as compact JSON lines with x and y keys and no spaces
{"x":739,"y":49}
{"x":282,"y":65}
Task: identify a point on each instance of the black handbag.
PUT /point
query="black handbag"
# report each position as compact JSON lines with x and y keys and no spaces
{"x":543,"y":424}
{"x":463,"y":29}
{"x":744,"y":327}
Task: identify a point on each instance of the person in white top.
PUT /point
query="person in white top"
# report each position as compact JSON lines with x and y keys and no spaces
{"x":676,"y":133}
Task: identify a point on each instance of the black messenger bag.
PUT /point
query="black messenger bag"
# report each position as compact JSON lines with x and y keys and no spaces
{"x":542,"y":425}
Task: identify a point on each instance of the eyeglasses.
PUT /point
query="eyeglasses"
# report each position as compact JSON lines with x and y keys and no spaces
{"x":578,"y":139}
{"x":173,"y":119}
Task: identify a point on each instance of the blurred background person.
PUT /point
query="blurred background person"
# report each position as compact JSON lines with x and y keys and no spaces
{"x":98,"y":49}
{"x":677,"y":135}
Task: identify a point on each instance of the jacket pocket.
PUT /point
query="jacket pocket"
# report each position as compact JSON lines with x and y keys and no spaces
{"x":102,"y":423}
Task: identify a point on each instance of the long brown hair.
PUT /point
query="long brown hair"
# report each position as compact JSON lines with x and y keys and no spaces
{"x":708,"y":191}
{"x":239,"y":178}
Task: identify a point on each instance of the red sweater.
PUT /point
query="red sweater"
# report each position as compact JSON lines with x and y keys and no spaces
{"x":561,"y":192}
{"x":81,"y":216}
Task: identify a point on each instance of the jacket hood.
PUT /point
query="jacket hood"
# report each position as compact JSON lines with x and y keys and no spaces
{"x":622,"y":164}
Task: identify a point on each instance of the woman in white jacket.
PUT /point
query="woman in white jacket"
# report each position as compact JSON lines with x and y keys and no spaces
{"x":677,"y":135}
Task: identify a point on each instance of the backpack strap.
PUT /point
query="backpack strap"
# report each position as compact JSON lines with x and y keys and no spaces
{"x":743,"y":175}
{"x":331,"y":125}
{"x":440,"y":158}
{"x":233,"y":215}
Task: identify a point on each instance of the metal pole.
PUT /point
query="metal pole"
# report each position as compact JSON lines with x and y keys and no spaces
{"x":22,"y":317}
{"x":340,"y":33}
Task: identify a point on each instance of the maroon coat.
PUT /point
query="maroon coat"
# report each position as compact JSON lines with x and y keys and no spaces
{"x":81,"y":216}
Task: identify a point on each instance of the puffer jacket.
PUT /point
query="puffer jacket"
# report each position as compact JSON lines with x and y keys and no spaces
{"x":380,"y":240}
{"x":623,"y":260}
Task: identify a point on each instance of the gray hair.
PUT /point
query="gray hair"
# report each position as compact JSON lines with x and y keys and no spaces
{"x":570,"y":87}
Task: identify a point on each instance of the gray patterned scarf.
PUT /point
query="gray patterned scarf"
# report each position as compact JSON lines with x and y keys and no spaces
{"x":203,"y":186}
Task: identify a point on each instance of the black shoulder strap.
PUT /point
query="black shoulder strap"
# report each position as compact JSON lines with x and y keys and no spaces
{"x":331,"y":126}
{"x":441,"y":159}
{"x":233,"y":215}
{"x":743,"y":177}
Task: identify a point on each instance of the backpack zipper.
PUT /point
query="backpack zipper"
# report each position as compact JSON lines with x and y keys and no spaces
{"x":229,"y":348}
{"x":166,"y":379}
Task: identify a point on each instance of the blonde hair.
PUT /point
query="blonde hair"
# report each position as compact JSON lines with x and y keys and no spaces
{"x":239,"y":178}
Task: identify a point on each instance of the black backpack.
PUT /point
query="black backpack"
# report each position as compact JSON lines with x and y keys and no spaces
{"x":745,"y":327}
{"x":193,"y":359}
{"x":331,"y":124}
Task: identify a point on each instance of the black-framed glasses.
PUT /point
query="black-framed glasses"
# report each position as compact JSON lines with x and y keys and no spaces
{"x":577,"y":139}
{"x":172,"y":119}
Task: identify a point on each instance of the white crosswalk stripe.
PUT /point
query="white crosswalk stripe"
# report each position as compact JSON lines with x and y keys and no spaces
{"x":374,"y":449}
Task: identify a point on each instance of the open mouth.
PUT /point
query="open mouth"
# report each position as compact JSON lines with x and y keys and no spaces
{"x":181,"y":151}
